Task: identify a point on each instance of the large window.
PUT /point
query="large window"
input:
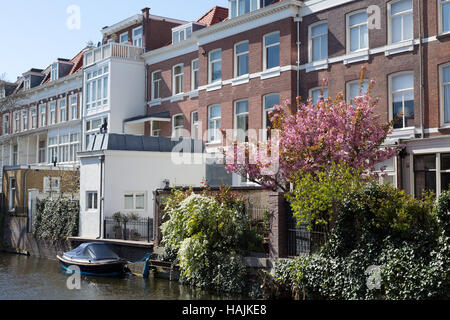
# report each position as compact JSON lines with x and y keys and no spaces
{"x":16,"y":122}
{"x":194,"y":125}
{"x":317,"y":94}
{"x":156,"y":85}
{"x":445,"y":93}
{"x":24,"y":120}
{"x":194,"y":80}
{"x":134,"y":201}
{"x":74,"y":146}
{"x":215,"y":66}
{"x":64,"y":146}
{"x":178,"y":79}
{"x":33,"y":113}
{"x":387,"y":171}
{"x":181,"y":33}
{"x":241,"y":59}
{"x":214,"y":124}
{"x":400,"y":20}
{"x":444,"y":16}
{"x":431,"y":173}
{"x":6,"y":124}
{"x":42,"y":115}
{"x":124,"y":38}
{"x":402,"y":99}
{"x":93,"y":127}
{"x":91,"y":200}
{"x":241,"y":120}
{"x":54,"y":74}
{"x":178,"y":125}
{"x":318,"y":41}
{"x":52,"y":149}
{"x":271,"y":50}
{"x":354,"y":89}
{"x":269,"y":101}
{"x":63,"y":110}
{"x":240,"y":7}
{"x":42,"y":151}
{"x":357,"y":31}
{"x":52,"y":113}
{"x":137,"y":37}
{"x":97,"y":86}
{"x":73,"y":100}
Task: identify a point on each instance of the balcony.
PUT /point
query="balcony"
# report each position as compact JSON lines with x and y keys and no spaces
{"x":112,"y":50}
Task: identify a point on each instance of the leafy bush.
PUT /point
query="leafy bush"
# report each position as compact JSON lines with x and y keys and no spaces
{"x":206,"y":236}
{"x":56,"y":219}
{"x":405,"y":238}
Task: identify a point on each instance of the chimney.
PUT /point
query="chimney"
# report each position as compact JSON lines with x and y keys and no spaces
{"x":146,"y":13}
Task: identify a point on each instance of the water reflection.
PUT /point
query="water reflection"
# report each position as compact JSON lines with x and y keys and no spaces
{"x":40,"y":279}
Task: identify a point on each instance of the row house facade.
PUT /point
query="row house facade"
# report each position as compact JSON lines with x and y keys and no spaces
{"x":238,"y":62}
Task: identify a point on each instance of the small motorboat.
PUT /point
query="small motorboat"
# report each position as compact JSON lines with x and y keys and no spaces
{"x":94,"y":259}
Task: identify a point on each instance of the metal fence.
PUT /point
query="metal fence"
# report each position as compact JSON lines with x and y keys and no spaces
{"x":257,"y":213}
{"x":136,"y":230}
{"x":302,"y":241}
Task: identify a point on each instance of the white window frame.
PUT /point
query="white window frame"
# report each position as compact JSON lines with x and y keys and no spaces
{"x":135,"y":194}
{"x":349,"y":39}
{"x":347,"y":89}
{"x":159,"y":81}
{"x":265,"y":47}
{"x":64,"y":148}
{"x":311,"y":39}
{"x":215,"y":130}
{"x":174,"y":80}
{"x":442,"y":86}
{"x":2,"y":92}
{"x":6,"y":124}
{"x":12,"y":192}
{"x":54,"y":71}
{"x":33,"y":117}
{"x":25,"y":116}
{"x":16,"y":123}
{"x":74,"y":146}
{"x":389,"y":173}
{"x":97,"y":98}
{"x":194,"y":71}
{"x":211,"y":63}
{"x":238,"y":55}
{"x":175,"y":129}
{"x":53,"y":112}
{"x":390,"y":16}
{"x":27,"y":83}
{"x":264,"y":111}
{"x":94,"y":195}
{"x":138,"y":38}
{"x":312,"y":90}
{"x":195,"y":125}
{"x":42,"y":115}
{"x":61,"y":109}
{"x":124,"y":34}
{"x":73,"y":107}
{"x":234,"y":9}
{"x":441,"y":17}
{"x":391,"y":96}
{"x":236,"y":115}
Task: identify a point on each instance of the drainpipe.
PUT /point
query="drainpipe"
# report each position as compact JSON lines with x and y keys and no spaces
{"x":102,"y":160}
{"x":298,"y":19}
{"x":25,"y":192}
{"x":422,"y":131}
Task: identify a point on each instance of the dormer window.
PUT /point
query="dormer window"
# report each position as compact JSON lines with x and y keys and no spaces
{"x":54,"y":71}
{"x":2,"y":92}
{"x":27,"y":83}
{"x":241,"y":7}
{"x":181,"y":33}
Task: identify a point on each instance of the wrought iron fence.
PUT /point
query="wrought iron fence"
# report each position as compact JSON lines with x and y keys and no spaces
{"x":136,"y":230}
{"x":302,"y":241}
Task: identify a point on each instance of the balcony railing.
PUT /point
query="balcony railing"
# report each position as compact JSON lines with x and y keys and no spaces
{"x":112,"y":50}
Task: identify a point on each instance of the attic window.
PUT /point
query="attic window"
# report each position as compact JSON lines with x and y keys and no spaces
{"x":2,"y":92}
{"x":241,"y":7}
{"x":54,"y":71}
{"x":180,"y":34}
{"x":27,"y":83}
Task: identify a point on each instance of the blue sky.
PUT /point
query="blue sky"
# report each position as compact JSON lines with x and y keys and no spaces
{"x":35,"y":32}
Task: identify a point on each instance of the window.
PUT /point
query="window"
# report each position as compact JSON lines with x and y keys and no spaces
{"x":215,"y":66}
{"x":124,"y":38}
{"x":318,"y":42}
{"x":6,"y":124}
{"x":445,"y":172}
{"x":357,"y":31}
{"x":194,"y":125}
{"x":177,"y":125}
{"x":42,"y":151}
{"x":91,"y":200}
{"x":53,"y":149}
{"x":62,"y":110}
{"x":387,"y":171}
{"x":43,"y":115}
{"x":354,"y":90}
{"x":241,"y":121}
{"x":424,"y":174}
{"x":402,"y":99}
{"x":181,"y":33}
{"x":272,"y":50}
{"x":93,"y":127}
{"x":12,"y":193}
{"x":156,"y":85}
{"x":194,"y":80}
{"x":27,"y":83}
{"x":16,"y":122}
{"x":134,"y":201}
{"x":156,"y":129}
{"x":2,"y":92}
{"x":33,"y":118}
{"x":54,"y":74}
{"x":400,"y":20}
{"x":24,"y":120}
{"x":137,"y":37}
{"x":15,"y":155}
{"x":445,"y":93}
{"x":73,"y":100}
{"x":241,"y":59}
{"x":178,"y":79}
{"x":214,"y":124}
{"x":444,"y":16}
{"x":241,"y":7}
{"x":97,"y":86}
{"x":269,"y":102}
{"x":52,"y":184}
{"x":52,"y":113}
{"x":74,"y":146}
{"x":317,"y":95}
{"x":64,"y":144}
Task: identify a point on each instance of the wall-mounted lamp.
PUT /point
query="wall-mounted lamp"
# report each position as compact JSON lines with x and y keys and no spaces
{"x":204,"y":53}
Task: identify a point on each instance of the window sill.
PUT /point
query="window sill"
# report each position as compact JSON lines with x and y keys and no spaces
{"x":443,"y":36}
{"x":214,"y":86}
{"x":154,"y":103}
{"x":240,"y":80}
{"x":271,"y":73}
{"x":404,"y":46}
{"x":178,"y":97}
{"x":358,"y":56}
{"x":404,"y":133}
{"x":317,"y":65}
{"x":193,"y":94}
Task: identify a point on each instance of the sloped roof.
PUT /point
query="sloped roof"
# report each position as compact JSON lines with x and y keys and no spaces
{"x":213,"y":16}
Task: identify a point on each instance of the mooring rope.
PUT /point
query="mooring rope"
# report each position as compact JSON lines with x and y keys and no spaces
{"x":147,"y":256}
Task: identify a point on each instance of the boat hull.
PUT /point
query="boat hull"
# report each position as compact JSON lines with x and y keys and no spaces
{"x":99,"y":269}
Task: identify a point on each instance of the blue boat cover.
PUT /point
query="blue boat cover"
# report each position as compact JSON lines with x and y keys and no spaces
{"x":92,"y":251}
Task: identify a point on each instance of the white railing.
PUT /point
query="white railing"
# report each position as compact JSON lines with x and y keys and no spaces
{"x":112,"y":50}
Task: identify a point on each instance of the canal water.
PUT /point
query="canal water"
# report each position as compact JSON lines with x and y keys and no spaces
{"x":30,"y":278}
